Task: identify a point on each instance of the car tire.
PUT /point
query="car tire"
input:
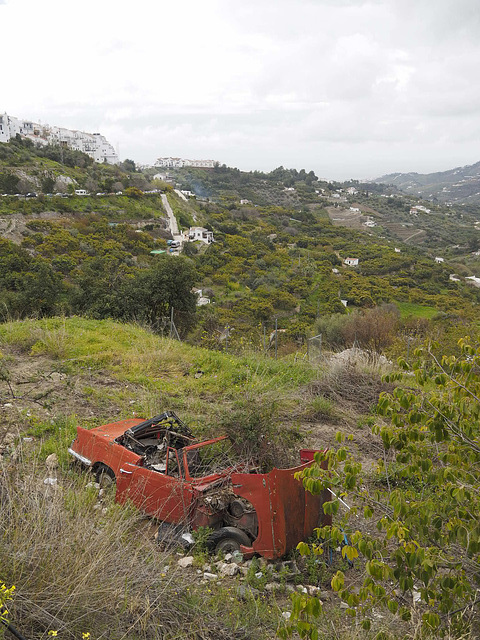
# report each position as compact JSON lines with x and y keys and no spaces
{"x":104,"y":476}
{"x":227,"y":540}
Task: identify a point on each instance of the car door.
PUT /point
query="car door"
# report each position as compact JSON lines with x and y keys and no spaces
{"x":165,"y":496}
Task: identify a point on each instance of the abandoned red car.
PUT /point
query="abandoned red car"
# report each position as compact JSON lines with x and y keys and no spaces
{"x":161,"y":468}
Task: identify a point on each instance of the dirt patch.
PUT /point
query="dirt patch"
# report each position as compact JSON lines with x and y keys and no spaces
{"x":36,"y":387}
{"x":13,"y":227}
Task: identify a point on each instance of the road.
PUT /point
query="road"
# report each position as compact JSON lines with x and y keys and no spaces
{"x":171,"y":219}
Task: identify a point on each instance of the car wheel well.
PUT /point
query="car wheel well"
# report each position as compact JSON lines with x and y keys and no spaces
{"x":102,"y":472}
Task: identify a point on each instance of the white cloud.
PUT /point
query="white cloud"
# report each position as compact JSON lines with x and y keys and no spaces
{"x":346,"y":87}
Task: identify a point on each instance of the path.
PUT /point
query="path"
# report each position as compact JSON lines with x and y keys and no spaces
{"x":413,"y":235}
{"x":171,"y":219}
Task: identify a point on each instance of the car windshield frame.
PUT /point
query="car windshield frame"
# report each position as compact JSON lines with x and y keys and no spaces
{"x":190,"y":474}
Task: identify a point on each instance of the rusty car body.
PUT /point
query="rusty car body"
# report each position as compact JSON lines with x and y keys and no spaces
{"x":162,"y":469}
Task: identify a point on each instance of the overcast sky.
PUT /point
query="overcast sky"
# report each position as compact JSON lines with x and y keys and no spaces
{"x":348,"y":88}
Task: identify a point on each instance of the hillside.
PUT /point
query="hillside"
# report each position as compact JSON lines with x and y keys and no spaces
{"x":271,"y":264}
{"x":61,"y":373}
{"x":91,"y":295}
{"x":457,"y":186}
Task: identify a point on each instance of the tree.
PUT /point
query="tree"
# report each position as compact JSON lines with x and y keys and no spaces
{"x":151,"y":294}
{"x":8,"y":183}
{"x":128,"y":166}
{"x":426,"y":505}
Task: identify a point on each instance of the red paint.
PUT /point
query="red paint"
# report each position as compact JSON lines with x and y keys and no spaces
{"x":285,"y":512}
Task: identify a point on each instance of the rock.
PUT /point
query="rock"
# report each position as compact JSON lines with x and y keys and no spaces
{"x":207,"y":567}
{"x":244,"y":571}
{"x":210,"y":576}
{"x":50,"y":481}
{"x":56,"y":376}
{"x":286,"y":615}
{"x":272,"y":586}
{"x":324,"y":595}
{"x":291,"y":566}
{"x":301,"y":588}
{"x":185,"y":562}
{"x":312,"y":590}
{"x":229,"y":569}
{"x":344,"y":605}
{"x":51,"y":461}
{"x":244,"y":591}
{"x":228,"y":557}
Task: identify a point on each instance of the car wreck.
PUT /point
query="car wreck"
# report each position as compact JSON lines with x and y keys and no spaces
{"x":161,"y":467}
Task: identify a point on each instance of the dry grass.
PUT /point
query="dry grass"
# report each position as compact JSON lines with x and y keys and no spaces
{"x":352,"y":385}
{"x":77,"y":569}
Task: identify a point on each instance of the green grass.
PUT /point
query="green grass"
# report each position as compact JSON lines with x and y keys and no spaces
{"x":417,"y":310}
{"x":157,"y":373}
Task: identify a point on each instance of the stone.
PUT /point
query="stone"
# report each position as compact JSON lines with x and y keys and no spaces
{"x":185,"y":562}
{"x":228,"y":557}
{"x":51,"y":461}
{"x":210,"y":576}
{"x":271,"y":586}
{"x":229,"y":569}
{"x":244,"y":591}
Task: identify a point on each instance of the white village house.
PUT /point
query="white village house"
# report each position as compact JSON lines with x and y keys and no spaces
{"x":351,"y":262}
{"x":93,"y":144}
{"x":184,"y":162}
{"x":200,"y":233}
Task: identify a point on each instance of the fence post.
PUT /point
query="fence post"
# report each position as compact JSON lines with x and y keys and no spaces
{"x":276,"y":337}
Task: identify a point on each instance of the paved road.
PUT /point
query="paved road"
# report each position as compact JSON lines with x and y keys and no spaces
{"x":171,"y":219}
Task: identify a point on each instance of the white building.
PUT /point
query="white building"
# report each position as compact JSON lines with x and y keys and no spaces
{"x":183,"y":162}
{"x":473,"y":280}
{"x":93,"y":144}
{"x":199,"y":233}
{"x":351,"y":262}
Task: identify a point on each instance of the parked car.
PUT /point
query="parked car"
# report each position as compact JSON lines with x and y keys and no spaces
{"x":164,"y":470}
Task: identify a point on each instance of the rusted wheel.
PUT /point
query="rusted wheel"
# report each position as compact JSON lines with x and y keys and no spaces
{"x":104,"y":476}
{"x":227,"y":540}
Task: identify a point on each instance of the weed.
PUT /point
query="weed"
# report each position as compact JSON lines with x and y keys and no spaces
{"x":201,"y":536}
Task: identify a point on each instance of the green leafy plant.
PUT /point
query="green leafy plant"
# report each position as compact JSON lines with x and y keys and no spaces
{"x":428,"y":543}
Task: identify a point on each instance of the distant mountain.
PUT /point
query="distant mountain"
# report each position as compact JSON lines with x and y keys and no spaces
{"x":460,"y":185}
